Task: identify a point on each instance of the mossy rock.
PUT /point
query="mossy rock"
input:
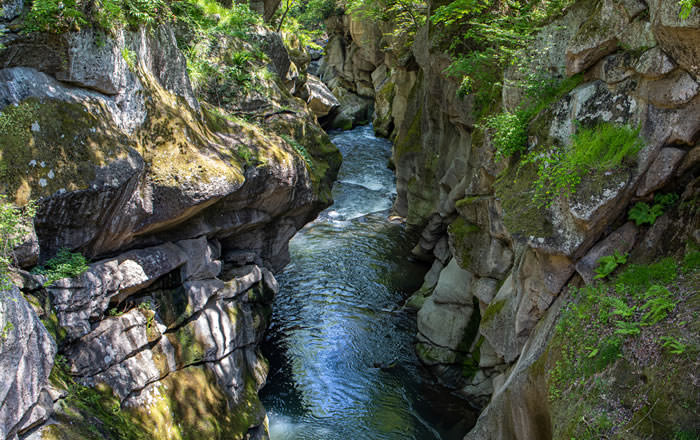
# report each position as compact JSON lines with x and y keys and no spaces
{"x":51,"y":145}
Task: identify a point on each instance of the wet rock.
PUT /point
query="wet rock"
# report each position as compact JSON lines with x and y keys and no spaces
{"x":26,"y":358}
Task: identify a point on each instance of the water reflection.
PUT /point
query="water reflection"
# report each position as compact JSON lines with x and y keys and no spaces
{"x":340,"y":348}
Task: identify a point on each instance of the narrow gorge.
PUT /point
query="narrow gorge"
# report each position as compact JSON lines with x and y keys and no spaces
{"x":515,"y":255}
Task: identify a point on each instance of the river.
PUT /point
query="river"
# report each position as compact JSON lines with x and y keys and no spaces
{"x":342,"y":363}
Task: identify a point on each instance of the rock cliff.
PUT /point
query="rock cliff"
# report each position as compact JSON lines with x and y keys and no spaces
{"x":184,"y":203}
{"x":502,"y":264}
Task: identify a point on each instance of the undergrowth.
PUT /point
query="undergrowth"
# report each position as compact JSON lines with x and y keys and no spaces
{"x":600,"y":148}
{"x":640,"y":319}
{"x":65,"y":264}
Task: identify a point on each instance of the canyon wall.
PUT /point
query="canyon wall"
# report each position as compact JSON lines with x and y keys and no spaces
{"x":502,"y":266}
{"x":183,"y":208}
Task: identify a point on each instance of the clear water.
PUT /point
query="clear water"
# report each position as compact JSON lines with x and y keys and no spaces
{"x":340,"y":346}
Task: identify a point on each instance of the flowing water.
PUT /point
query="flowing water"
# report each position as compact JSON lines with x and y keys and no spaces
{"x":342,"y":364}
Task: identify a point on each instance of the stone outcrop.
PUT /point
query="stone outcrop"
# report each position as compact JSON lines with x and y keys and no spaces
{"x":26,"y":358}
{"x":489,"y":303}
{"x":184,"y":212}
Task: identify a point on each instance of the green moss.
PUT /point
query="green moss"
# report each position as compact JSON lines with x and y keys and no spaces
{"x":187,"y":349}
{"x":409,"y":141}
{"x":493,"y":310}
{"x":464,"y":235}
{"x":521,"y":216}
{"x":50,"y":145}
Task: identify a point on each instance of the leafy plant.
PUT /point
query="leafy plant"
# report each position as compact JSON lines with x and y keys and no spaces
{"x":658,"y":305}
{"x":627,"y":328}
{"x":65,"y":264}
{"x":14,"y":223}
{"x":509,"y":133}
{"x":130,"y":58}
{"x":686,"y":7}
{"x":641,"y":213}
{"x":607,"y":264}
{"x":603,"y":147}
{"x":674,"y":345}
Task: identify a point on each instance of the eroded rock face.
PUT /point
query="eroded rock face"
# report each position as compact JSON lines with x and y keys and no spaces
{"x":508,"y":259}
{"x":26,"y":358}
{"x":183,"y":212}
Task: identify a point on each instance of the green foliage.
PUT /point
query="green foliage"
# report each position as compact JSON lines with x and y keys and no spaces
{"x":405,"y":17}
{"x":65,"y":264}
{"x":607,"y":264}
{"x":641,"y":213}
{"x":637,"y":278}
{"x":659,"y":303}
{"x":485,"y":36}
{"x":130,"y":58}
{"x":14,"y":223}
{"x":592,"y":150}
{"x":55,"y":16}
{"x":509,"y":133}
{"x":674,"y":345}
{"x":691,"y":261}
{"x":59,"y":16}
{"x":686,"y":7}
{"x":312,"y":13}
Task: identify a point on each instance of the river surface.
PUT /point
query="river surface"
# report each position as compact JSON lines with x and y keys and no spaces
{"x":342,"y":363}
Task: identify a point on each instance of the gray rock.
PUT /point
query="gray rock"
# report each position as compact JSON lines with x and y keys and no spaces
{"x":660,"y":170}
{"x":12,"y":9}
{"x":596,"y":38}
{"x":498,"y":323}
{"x":637,"y":36}
{"x":677,"y":37}
{"x":78,"y":300}
{"x":485,"y":289}
{"x":201,"y":259}
{"x":140,"y":268}
{"x":654,"y":64}
{"x":26,"y":358}
{"x":454,"y":286}
{"x":26,"y":253}
{"x":319,"y":98}
{"x":614,"y":68}
{"x":673,"y":91}
{"x":621,"y":241}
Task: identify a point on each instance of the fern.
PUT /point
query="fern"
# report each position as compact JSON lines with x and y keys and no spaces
{"x":627,"y":328}
{"x":607,"y":264}
{"x":641,"y":213}
{"x":674,"y":345}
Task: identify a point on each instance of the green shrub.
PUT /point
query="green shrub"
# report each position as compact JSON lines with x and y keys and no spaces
{"x":65,"y":264}
{"x":637,"y":278}
{"x":58,"y":16}
{"x":686,"y":7}
{"x":509,"y":133}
